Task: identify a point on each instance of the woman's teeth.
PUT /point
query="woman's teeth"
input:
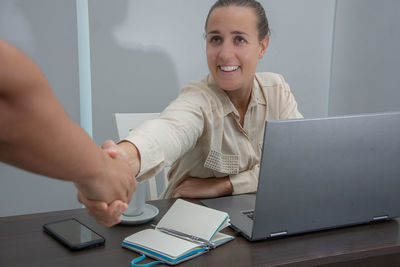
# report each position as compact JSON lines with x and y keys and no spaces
{"x":228,"y":68}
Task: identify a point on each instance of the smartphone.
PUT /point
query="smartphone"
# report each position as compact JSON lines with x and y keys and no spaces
{"x":73,"y":234}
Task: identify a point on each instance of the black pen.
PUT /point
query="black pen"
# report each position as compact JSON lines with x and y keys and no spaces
{"x":209,"y":245}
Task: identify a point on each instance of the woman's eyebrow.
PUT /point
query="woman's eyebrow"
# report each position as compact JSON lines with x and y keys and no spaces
{"x":233,"y":32}
{"x":214,"y":32}
{"x":239,"y":33}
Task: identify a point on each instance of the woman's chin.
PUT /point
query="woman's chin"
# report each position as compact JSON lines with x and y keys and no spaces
{"x":228,"y":85}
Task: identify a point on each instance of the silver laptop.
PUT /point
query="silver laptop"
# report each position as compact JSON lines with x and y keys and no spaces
{"x":318,"y":174}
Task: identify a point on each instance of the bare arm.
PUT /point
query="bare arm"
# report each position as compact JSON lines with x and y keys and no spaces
{"x":37,"y":135}
{"x":203,"y":187}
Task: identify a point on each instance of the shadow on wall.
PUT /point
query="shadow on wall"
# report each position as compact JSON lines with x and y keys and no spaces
{"x":46,"y":31}
{"x":40,"y":36}
{"x":125,"y":77}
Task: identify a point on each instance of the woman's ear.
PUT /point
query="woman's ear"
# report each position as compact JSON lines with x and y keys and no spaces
{"x":263,"y":45}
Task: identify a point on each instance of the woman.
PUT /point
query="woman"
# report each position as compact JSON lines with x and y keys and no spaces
{"x":212,"y":134}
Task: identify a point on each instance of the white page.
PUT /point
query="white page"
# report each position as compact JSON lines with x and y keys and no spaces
{"x":193,"y":219}
{"x":162,"y":243}
{"x":221,"y":238}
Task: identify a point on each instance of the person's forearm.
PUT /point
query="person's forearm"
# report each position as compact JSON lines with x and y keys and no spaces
{"x":42,"y":139}
{"x":203,"y":187}
{"x":35,"y":132}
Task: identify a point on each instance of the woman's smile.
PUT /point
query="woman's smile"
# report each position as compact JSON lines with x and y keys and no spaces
{"x":228,"y":68}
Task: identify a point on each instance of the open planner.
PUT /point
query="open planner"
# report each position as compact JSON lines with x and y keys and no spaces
{"x":186,"y":231}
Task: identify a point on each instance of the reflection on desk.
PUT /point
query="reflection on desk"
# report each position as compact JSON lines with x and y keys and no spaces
{"x":23,"y":243}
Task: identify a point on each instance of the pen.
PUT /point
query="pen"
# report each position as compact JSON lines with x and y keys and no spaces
{"x":209,"y":245}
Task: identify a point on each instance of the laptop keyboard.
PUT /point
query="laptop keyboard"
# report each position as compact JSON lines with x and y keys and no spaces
{"x":249,"y":213}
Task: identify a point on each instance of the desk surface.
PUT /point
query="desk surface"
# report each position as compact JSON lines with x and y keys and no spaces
{"x":23,"y":243}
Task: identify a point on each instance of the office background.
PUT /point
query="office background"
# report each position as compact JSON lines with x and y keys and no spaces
{"x":339,"y":57}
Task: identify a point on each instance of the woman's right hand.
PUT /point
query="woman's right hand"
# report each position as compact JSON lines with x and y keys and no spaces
{"x":105,"y":214}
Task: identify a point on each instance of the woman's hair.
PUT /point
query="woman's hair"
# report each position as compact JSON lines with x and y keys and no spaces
{"x":262,"y":21}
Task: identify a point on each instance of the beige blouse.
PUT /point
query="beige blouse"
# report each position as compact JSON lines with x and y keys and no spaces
{"x":199,"y":134}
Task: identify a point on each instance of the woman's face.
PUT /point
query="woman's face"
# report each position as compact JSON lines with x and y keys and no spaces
{"x":233,"y":48}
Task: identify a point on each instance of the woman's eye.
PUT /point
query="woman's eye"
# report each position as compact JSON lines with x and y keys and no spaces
{"x":240,"y":40}
{"x":215,"y":40}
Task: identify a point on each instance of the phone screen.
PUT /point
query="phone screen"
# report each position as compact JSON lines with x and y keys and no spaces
{"x":73,"y":234}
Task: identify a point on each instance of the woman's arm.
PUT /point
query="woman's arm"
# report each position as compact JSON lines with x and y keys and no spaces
{"x":203,"y":188}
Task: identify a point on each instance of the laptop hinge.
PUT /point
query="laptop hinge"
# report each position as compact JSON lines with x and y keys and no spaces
{"x":380,"y":218}
{"x":278,"y":234}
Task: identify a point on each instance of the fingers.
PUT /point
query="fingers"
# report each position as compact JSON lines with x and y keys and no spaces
{"x":116,"y":209}
{"x":176,"y":195}
{"x":107,"y":215}
{"x":177,"y":192}
{"x":91,"y":204}
{"x":111,"y":215}
{"x":111,"y":148}
{"x":180,"y":189}
{"x":108,"y":144}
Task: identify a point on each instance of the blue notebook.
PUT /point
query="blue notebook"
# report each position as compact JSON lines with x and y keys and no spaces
{"x":185,"y":218}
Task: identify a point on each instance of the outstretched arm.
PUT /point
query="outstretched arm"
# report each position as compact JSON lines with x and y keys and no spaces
{"x":37,"y":135}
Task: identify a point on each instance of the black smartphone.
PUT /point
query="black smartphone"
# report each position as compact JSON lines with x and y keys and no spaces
{"x":73,"y":234}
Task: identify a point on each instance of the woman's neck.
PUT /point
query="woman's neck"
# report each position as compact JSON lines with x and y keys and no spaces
{"x":240,"y":99}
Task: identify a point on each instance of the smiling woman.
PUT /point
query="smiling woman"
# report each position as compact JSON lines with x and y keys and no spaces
{"x":211,"y":135}
{"x":233,"y":51}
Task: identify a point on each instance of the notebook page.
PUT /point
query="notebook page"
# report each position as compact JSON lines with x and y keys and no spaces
{"x":159,"y":242}
{"x":225,"y":224}
{"x":193,"y":219}
{"x":221,"y":238}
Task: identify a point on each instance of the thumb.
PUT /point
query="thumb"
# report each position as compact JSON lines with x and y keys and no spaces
{"x":111,"y":148}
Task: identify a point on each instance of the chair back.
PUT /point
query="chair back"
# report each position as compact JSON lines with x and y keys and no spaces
{"x":126,"y":122}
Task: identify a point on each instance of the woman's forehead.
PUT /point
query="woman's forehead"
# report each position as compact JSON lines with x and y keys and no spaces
{"x":232,"y":19}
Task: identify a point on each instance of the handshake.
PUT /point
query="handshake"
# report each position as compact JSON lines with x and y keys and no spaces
{"x":105,"y":180}
{"x":106,"y":195}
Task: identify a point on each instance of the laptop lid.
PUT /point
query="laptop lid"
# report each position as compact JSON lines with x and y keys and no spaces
{"x":330,"y":172}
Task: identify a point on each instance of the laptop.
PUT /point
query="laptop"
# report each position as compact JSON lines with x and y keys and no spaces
{"x":318,"y":174}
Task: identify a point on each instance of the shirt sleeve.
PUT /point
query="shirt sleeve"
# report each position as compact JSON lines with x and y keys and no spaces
{"x":288,"y":105}
{"x":164,"y":140}
{"x":245,"y":182}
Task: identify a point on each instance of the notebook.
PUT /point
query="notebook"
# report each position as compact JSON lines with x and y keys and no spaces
{"x":183,"y":217}
{"x":318,"y":174}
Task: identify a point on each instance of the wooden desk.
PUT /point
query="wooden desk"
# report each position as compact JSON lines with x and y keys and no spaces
{"x":23,"y":243}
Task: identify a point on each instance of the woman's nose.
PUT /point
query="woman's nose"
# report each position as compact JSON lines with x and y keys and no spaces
{"x":226,"y":51}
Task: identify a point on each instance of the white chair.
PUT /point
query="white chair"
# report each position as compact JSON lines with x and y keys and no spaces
{"x":124,"y":123}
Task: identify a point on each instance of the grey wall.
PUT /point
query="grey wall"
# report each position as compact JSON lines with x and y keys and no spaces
{"x":366,"y":58}
{"x":300,"y":49}
{"x":46,"y":31}
{"x":143,"y":52}
{"x":339,"y":57}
